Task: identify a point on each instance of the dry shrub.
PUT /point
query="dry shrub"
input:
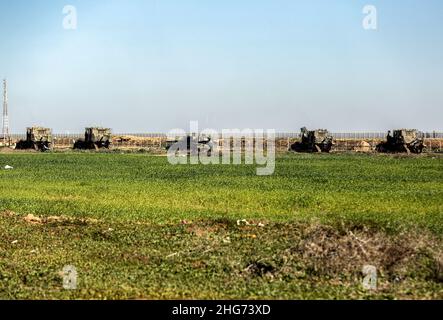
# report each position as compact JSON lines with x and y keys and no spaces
{"x":329,"y":252}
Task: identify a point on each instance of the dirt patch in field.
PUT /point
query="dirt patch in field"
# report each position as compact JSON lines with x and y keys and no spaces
{"x":205,"y":229}
{"x":36,"y":220}
{"x":30,"y":218}
{"x":8,"y":213}
{"x":6,"y":150}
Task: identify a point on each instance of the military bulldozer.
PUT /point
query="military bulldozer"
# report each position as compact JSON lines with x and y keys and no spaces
{"x":313,"y":141}
{"x":192,"y":145}
{"x":95,"y":138}
{"x":37,"y":138}
{"x":404,"y":140}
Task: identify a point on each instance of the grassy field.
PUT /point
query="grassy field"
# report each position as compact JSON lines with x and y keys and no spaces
{"x":136,"y":227}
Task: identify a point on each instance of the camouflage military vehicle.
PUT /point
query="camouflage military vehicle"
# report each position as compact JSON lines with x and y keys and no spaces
{"x":313,"y":141}
{"x":95,"y":138}
{"x":37,"y":138}
{"x":404,"y":140}
{"x":203,"y":144}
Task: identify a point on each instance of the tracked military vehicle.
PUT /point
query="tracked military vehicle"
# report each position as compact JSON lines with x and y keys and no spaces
{"x":313,"y":141}
{"x":95,"y":138}
{"x":192,"y":145}
{"x":404,"y":140}
{"x":37,"y":138}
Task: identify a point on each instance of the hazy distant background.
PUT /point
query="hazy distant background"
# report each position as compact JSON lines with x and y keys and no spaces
{"x":150,"y":66}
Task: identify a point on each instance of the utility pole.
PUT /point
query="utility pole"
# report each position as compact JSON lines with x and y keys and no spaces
{"x":6,"y":136}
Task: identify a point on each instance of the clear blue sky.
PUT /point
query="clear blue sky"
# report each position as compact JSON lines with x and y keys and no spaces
{"x":145,"y":65}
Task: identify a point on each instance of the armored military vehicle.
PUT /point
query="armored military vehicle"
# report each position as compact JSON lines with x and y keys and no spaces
{"x":95,"y":138}
{"x":192,"y":145}
{"x":313,"y":141}
{"x":37,"y":138}
{"x":404,"y":140}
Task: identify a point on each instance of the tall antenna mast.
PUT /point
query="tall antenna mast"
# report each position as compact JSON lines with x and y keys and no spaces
{"x":6,"y":137}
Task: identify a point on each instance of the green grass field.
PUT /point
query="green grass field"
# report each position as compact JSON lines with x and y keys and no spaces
{"x":136,"y":227}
